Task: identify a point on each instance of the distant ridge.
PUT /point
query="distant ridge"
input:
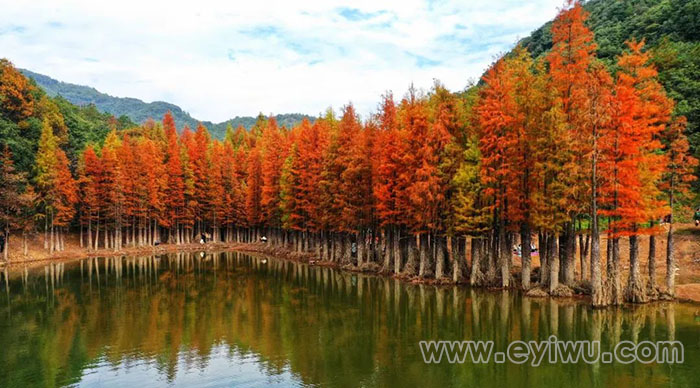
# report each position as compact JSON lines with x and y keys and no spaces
{"x":139,"y":111}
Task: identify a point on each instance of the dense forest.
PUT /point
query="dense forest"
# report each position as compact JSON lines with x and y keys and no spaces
{"x":140,"y":112}
{"x":550,"y":151}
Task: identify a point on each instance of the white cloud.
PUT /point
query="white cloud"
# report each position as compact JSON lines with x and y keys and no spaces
{"x":217,"y":59}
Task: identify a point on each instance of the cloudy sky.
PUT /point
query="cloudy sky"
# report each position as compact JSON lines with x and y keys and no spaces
{"x":219,"y":59}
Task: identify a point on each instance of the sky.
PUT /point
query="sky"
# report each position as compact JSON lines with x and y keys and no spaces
{"x":220,"y":59}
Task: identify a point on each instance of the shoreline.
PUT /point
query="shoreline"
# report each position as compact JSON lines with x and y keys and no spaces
{"x":685,"y":293}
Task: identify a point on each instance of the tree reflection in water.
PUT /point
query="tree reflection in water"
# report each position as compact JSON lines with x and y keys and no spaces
{"x":234,"y":318}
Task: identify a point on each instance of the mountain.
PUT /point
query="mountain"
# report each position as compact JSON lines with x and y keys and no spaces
{"x":139,"y":111}
{"x":671,"y":30}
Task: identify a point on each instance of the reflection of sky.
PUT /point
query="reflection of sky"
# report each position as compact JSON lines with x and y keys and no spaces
{"x":221,"y":60}
{"x":222,"y":367}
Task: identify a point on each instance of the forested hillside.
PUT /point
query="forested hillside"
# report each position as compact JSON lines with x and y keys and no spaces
{"x":26,"y":108}
{"x":139,"y":111}
{"x":671,"y":30}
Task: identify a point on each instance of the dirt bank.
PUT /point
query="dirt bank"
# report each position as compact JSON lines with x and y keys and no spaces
{"x":687,"y":244}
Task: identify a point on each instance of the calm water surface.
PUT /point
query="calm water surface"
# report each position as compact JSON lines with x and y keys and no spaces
{"x":232,"y":319}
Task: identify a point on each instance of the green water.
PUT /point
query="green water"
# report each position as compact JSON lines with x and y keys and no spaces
{"x":231,"y":319}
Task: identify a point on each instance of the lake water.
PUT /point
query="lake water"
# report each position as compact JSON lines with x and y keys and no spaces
{"x":233,"y":319}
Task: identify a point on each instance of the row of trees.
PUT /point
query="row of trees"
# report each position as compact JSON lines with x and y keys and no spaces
{"x":541,"y":151}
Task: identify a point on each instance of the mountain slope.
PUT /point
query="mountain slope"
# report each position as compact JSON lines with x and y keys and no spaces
{"x":139,"y":111}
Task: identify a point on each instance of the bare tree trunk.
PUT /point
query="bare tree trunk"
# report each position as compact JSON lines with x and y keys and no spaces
{"x":425,"y":268}
{"x":385,"y":245}
{"x":670,"y":259}
{"x":614,"y":275}
{"x":544,"y":266}
{"x":360,"y":238}
{"x":476,"y":277}
{"x":569,"y":254}
{"x":597,"y":296}
{"x":525,"y":254}
{"x":6,"y":247}
{"x":459,"y":269}
{"x":97,"y":232}
{"x":347,"y":244}
{"x":651,"y":265}
{"x":411,"y":263}
{"x":503,"y":255}
{"x":439,"y":257}
{"x":553,"y":260}
{"x":396,"y":242}
{"x":337,"y":247}
{"x":89,"y":234}
{"x":635,"y":292}
{"x":583,"y":255}
{"x":52,"y":240}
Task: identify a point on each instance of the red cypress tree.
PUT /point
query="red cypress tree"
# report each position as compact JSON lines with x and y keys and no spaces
{"x":495,"y":112}
{"x":90,"y":181}
{"x":569,"y":60}
{"x":67,"y":193}
{"x":274,"y":149}
{"x":198,"y":164}
{"x":254,"y":184}
{"x":113,"y":178}
{"x":311,"y":143}
{"x":388,"y":164}
{"x":175,"y":187}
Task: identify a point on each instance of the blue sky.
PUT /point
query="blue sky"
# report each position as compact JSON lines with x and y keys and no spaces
{"x":218,"y":59}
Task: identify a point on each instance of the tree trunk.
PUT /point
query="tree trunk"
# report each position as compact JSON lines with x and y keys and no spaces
{"x":476,"y":276}
{"x":411,"y":263}
{"x":6,"y":247}
{"x":396,"y":242}
{"x":347,"y":243}
{"x":337,"y":248}
{"x":582,"y":256}
{"x":597,"y":295}
{"x":325,"y":251}
{"x":439,"y":257}
{"x":553,"y":260}
{"x":614,"y":276}
{"x":670,"y":262}
{"x":106,"y":237}
{"x":360,"y":248}
{"x":52,"y":239}
{"x":97,"y":232}
{"x":385,"y":244}
{"x":544,"y":257}
{"x":569,"y":255}
{"x":651,"y":265}
{"x":670,"y":259}
{"x":89,"y":234}
{"x":525,"y":255}
{"x":459,"y":265}
{"x":425,"y":268}
{"x":635,"y":292}
{"x":504,"y":251}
